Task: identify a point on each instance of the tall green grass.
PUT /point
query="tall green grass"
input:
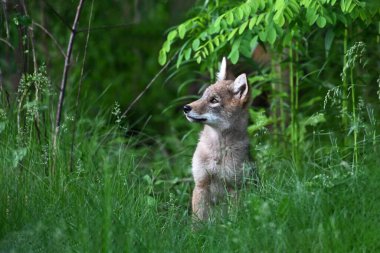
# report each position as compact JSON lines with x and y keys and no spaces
{"x":127,"y":196}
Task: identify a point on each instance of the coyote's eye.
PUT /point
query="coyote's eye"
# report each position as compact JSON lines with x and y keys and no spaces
{"x":214,"y":100}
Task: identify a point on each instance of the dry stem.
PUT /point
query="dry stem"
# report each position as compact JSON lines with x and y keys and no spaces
{"x":64,"y":76}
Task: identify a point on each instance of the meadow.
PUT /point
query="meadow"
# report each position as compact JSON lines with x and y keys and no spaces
{"x":123,"y":198}
{"x":116,"y":175}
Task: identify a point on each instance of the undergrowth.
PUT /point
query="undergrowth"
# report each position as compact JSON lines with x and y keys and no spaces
{"x":126,"y":196}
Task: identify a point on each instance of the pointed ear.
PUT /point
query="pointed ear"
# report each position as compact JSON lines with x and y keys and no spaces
{"x":240,"y":86}
{"x":222,"y":74}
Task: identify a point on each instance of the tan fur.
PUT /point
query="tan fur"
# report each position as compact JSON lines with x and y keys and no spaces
{"x":222,"y":151}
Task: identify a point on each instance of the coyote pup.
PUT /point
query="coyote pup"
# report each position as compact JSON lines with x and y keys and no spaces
{"x":222,"y":150}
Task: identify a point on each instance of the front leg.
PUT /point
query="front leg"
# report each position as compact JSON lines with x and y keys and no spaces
{"x":201,"y":201}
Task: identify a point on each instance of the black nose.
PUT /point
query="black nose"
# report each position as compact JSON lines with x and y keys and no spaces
{"x":187,"y":108}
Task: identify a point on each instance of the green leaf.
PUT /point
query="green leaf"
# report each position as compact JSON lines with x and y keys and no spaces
{"x":253,"y":43}
{"x":150,"y":201}
{"x":172,"y":35}
{"x":246,"y":9}
{"x":294,"y":6}
{"x":222,"y":38}
{"x":215,"y":27}
{"x":162,"y":57}
{"x":342,"y":5}
{"x":271,"y":35}
{"x":182,"y":31}
{"x":311,"y":15}
{"x":352,"y":7}
{"x":260,"y":18}
{"x":279,"y":19}
{"x":315,"y":119}
{"x":262,"y":4}
{"x":187,"y":53}
{"x":310,"y":121}
{"x":263,"y":35}
{"x":321,"y":22}
{"x":148,"y":179}
{"x":179,"y":60}
{"x":232,"y":34}
{"x":234,"y":54}
{"x":230,"y":18}
{"x":252,"y":22}
{"x":279,"y":5}
{"x":218,"y":20}
{"x":195,"y":44}
{"x":203,"y":35}
{"x":346,"y":6}
{"x":242,"y":27}
{"x":259,"y":119}
{"x":306,"y":3}
{"x":216,"y":41}
{"x":211,"y":46}
{"x":199,"y":59}
{"x":240,"y":14}
{"x":259,"y":78}
{"x":166,"y":46}
{"x":18,"y":155}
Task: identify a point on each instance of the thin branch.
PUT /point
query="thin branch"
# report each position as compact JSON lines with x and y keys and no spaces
{"x":105,"y":27}
{"x":31,"y":36}
{"x":65,"y":73}
{"x":52,"y":37}
{"x":58,"y":15}
{"x":8,"y":43}
{"x":79,"y":89}
{"x":138,"y":97}
{"x":148,"y":85}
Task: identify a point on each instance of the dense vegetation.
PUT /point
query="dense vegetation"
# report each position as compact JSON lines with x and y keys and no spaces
{"x":113,"y":174}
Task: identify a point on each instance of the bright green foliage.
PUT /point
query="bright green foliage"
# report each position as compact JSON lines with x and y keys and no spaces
{"x":216,"y":27}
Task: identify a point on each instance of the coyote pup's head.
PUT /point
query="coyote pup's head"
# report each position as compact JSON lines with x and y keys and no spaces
{"x":221,"y":103}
